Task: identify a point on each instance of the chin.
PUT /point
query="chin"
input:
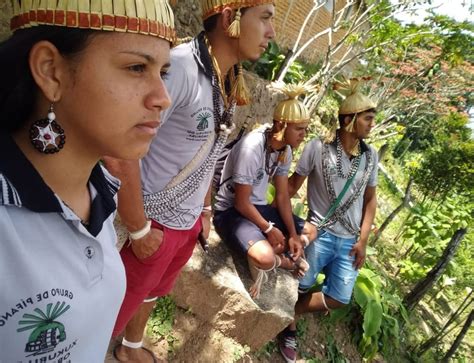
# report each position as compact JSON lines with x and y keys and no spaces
{"x":254,"y":58}
{"x":132,"y":153}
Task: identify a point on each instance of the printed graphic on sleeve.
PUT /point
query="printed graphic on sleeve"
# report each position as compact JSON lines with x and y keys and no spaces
{"x":47,"y":331}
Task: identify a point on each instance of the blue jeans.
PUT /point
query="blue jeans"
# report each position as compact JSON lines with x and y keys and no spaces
{"x":331,"y":253}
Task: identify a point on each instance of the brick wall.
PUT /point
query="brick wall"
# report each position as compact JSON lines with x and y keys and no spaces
{"x":290,"y":14}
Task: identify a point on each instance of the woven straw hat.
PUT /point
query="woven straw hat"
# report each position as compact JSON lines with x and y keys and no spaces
{"x":291,"y":110}
{"x":151,"y":17}
{"x":355,"y":100}
{"x":212,"y":7}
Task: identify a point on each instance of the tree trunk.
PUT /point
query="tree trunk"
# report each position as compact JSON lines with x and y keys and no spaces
{"x":460,"y":337}
{"x":431,"y":342}
{"x":414,"y":296}
{"x":391,"y":217}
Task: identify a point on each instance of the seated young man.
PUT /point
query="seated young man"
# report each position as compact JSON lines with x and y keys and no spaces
{"x":342,"y":177}
{"x":269,"y":236}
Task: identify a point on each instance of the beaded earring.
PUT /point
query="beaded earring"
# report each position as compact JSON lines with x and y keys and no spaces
{"x":46,"y":135}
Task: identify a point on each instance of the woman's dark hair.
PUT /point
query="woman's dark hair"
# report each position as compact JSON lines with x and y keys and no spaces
{"x":210,"y":23}
{"x":352,"y":115}
{"x":18,"y":90}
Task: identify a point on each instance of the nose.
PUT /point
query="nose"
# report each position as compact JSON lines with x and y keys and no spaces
{"x":271,"y":31}
{"x":158,"y":98}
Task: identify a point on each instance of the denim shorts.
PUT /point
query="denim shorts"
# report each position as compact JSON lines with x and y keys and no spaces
{"x":331,"y":254}
{"x":240,"y":233}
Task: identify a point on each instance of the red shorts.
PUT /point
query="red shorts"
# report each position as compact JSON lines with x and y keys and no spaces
{"x":154,"y":276}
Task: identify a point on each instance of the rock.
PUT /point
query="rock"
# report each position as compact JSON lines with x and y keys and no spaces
{"x":214,"y":287}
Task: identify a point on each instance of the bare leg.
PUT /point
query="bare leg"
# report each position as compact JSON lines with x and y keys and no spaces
{"x":261,"y":259}
{"x":316,"y":302}
{"x":313,"y":303}
{"x":134,"y":333}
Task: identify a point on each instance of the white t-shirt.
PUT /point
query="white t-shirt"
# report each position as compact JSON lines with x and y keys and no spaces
{"x":186,"y":125}
{"x":245,"y":164}
{"x":310,"y":165}
{"x":61,"y":284}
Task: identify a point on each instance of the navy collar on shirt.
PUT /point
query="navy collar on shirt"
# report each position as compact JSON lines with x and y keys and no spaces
{"x":22,"y":186}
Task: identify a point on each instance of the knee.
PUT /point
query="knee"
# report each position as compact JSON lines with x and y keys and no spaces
{"x":262,"y":257}
{"x":333,"y":304}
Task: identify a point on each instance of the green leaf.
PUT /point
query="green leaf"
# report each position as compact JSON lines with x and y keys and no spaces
{"x":372,"y":318}
{"x":271,"y":191}
{"x":364,"y":290}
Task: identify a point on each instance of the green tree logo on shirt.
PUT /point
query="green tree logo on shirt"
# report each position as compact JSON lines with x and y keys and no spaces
{"x":203,"y":120}
{"x":47,"y":332}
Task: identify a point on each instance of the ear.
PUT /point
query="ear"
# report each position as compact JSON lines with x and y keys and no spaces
{"x":347,"y":120}
{"x":48,"y":69}
{"x":227,"y":16}
{"x":277,"y":126}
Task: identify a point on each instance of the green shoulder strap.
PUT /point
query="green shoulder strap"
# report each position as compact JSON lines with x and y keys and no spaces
{"x":336,"y":203}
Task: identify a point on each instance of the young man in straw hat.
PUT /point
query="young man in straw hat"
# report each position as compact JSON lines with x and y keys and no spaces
{"x":342,"y":178}
{"x":165,"y":202}
{"x":243,"y":218}
{"x":80,"y":79}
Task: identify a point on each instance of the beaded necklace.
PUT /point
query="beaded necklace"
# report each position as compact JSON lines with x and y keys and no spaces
{"x":270,"y":168}
{"x":217,"y":75}
{"x":170,"y":198}
{"x":354,"y":162}
{"x":340,"y":214}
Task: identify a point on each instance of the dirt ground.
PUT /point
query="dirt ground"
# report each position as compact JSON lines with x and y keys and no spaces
{"x":197,"y":341}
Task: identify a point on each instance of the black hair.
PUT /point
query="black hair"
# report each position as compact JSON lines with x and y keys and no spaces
{"x":211,"y":23}
{"x":18,"y":90}
{"x":352,"y":115}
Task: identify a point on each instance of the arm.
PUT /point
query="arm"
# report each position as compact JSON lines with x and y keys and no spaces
{"x":206,"y":213}
{"x":368,"y":214}
{"x":294,"y":183}
{"x":284,"y":209}
{"x":243,"y":206}
{"x":130,"y":205}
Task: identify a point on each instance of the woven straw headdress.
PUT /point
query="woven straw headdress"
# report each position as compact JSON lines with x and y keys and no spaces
{"x":151,"y":17}
{"x":212,"y":7}
{"x":291,"y":110}
{"x":355,"y":101}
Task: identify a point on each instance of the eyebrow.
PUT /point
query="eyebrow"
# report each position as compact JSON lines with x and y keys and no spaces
{"x":147,"y":57}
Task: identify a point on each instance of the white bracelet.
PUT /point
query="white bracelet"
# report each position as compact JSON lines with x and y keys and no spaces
{"x":206,"y":209}
{"x":270,"y":227}
{"x":141,"y":232}
{"x":133,"y":345}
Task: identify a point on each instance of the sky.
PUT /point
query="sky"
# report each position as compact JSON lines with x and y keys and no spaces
{"x":460,"y":10}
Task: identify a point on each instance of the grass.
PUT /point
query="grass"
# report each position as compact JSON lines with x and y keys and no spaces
{"x":160,"y":323}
